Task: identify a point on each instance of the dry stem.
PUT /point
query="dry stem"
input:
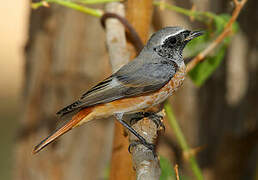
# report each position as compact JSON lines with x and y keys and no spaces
{"x":176,"y":171}
{"x":227,"y":30}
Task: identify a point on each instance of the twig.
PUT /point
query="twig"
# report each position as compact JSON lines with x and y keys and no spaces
{"x":96,"y":1}
{"x":182,"y":142}
{"x":176,"y":171}
{"x":69,"y":4}
{"x":131,"y":33}
{"x":227,"y":30}
{"x":115,"y":35}
{"x":199,"y":15}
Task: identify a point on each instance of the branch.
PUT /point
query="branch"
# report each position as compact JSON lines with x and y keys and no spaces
{"x":198,"y":15}
{"x":176,"y":172}
{"x":96,"y":1}
{"x":69,"y":4}
{"x":145,"y":163}
{"x":226,"y":32}
{"x":131,"y":33}
{"x":121,"y":164}
{"x":115,"y":35}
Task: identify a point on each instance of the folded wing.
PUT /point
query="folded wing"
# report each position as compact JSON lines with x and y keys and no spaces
{"x":126,"y":82}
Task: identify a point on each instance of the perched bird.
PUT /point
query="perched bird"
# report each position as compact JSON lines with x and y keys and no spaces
{"x":155,"y":74}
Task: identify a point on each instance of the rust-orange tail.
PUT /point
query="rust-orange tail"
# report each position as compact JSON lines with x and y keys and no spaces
{"x":62,"y":130}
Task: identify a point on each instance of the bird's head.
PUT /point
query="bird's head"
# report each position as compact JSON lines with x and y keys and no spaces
{"x":169,"y":42}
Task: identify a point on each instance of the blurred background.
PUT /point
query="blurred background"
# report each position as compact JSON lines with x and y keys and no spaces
{"x":52,"y":55}
{"x":13,"y":34}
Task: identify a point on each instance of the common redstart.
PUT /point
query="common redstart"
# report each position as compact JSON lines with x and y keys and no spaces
{"x":154,"y":75}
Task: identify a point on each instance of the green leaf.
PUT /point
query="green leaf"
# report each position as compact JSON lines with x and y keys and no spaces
{"x":71,"y":5}
{"x":97,"y":1}
{"x":204,"y":70}
{"x":221,"y":20}
{"x":167,"y":171}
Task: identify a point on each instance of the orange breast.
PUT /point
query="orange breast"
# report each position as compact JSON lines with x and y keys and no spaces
{"x":134,"y":104}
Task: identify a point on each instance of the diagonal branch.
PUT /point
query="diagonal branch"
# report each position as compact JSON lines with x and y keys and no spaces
{"x":68,"y":4}
{"x":226,"y":32}
{"x":131,"y":33}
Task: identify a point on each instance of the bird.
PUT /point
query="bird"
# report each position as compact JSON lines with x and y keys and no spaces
{"x":154,"y":75}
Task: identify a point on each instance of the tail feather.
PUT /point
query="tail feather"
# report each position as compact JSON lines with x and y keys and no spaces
{"x":65,"y":128}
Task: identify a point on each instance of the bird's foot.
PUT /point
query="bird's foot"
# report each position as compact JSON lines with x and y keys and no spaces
{"x":157,"y":119}
{"x":146,"y":144}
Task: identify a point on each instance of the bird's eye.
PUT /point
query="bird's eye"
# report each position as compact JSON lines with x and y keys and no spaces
{"x":186,"y":33}
{"x":172,"y":40}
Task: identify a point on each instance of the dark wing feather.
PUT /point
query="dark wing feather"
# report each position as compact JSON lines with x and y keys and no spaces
{"x":126,"y":82}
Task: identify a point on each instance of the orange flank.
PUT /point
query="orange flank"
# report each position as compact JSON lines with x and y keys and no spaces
{"x":75,"y":120}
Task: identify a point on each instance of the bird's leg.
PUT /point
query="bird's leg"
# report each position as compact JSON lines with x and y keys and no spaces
{"x":119,"y":117}
{"x":136,"y":117}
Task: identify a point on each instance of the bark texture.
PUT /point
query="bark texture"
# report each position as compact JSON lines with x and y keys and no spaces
{"x":65,"y":55}
{"x":138,"y":14}
{"x":121,"y":164}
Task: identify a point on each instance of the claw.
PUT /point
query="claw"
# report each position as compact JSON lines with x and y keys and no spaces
{"x":153,"y":116}
{"x":142,"y":141}
{"x":162,"y":127}
{"x":146,"y":144}
{"x":157,"y":120}
{"x":133,"y":144}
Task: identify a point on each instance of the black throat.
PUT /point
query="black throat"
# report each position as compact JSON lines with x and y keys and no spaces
{"x":168,"y":52}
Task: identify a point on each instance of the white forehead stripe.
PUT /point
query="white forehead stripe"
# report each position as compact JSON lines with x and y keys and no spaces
{"x":174,"y":34}
{"x":178,"y":32}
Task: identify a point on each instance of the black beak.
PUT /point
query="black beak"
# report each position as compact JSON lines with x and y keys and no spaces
{"x":193,"y":35}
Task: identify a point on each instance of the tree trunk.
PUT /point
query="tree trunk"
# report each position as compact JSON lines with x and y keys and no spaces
{"x":139,"y":14}
{"x":65,"y":55}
